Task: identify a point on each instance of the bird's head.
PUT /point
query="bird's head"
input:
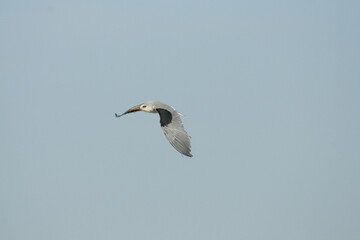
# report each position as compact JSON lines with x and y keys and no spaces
{"x":148,"y":107}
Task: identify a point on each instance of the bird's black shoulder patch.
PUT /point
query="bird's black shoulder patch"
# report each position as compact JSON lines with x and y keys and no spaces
{"x":165,"y":116}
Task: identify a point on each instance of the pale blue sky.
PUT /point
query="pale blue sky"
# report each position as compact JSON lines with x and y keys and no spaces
{"x":270,"y":90}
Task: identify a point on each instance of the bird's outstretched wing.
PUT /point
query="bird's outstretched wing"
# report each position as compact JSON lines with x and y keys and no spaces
{"x":174,"y":131}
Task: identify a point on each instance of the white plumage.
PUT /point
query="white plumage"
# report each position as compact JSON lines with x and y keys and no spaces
{"x":170,"y":122}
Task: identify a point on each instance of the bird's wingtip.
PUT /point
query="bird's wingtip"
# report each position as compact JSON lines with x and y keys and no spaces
{"x":181,"y":114}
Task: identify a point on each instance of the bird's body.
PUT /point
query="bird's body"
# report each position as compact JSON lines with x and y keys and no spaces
{"x":170,"y":123}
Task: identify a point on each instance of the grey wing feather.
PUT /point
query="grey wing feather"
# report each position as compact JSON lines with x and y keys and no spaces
{"x":176,"y":134}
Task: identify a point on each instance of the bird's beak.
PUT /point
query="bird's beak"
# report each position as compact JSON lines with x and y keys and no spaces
{"x":133,"y":109}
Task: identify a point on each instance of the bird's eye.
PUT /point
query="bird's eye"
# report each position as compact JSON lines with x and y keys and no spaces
{"x":144,"y":106}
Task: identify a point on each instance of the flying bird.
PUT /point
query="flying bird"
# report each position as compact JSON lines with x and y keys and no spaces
{"x":170,"y":123}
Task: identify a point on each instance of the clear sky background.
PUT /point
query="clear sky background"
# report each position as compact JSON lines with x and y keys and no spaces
{"x":270,"y":90}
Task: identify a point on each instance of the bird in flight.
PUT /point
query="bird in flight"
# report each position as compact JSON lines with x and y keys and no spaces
{"x":170,"y":123}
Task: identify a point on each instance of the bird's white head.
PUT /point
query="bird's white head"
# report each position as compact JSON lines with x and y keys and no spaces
{"x":148,"y":107}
